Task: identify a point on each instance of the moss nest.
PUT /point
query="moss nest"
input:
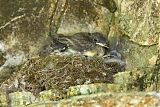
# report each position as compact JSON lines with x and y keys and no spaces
{"x":59,"y":73}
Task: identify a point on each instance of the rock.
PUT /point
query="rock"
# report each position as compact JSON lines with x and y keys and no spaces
{"x":3,"y":99}
{"x":133,"y":54}
{"x":22,"y":30}
{"x":139,"y":20}
{"x":21,"y":98}
{"x":101,"y":99}
{"x":134,"y":31}
{"x":2,"y":58}
{"x":138,"y":79}
{"x":84,"y":16}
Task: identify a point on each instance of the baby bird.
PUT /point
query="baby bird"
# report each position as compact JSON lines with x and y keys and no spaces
{"x":114,"y":57}
{"x":84,"y":43}
{"x":52,"y":45}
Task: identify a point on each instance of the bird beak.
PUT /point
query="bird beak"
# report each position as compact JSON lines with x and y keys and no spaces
{"x":103,"y":45}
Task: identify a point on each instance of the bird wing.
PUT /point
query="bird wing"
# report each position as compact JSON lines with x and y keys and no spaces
{"x":82,"y":42}
{"x":79,"y":42}
{"x":57,"y":45}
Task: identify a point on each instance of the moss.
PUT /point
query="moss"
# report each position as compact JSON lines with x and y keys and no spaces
{"x":139,"y":79}
{"x":3,"y":99}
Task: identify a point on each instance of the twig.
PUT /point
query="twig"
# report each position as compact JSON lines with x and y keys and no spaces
{"x":14,"y":19}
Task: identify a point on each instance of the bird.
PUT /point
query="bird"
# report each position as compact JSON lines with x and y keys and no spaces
{"x":52,"y":45}
{"x":85,"y":43}
{"x":114,"y":57}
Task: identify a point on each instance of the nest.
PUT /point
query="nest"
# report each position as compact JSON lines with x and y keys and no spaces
{"x":59,"y":73}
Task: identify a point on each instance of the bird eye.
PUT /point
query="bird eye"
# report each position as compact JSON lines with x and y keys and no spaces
{"x":95,"y":40}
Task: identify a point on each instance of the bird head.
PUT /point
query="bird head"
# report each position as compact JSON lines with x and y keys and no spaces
{"x":99,"y":39}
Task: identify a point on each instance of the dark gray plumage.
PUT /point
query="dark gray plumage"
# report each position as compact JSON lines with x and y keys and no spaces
{"x":52,"y":45}
{"x":89,"y":44}
{"x":114,"y":57}
{"x":84,"y":43}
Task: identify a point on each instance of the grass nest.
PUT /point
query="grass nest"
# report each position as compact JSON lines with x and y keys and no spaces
{"x":59,"y":73}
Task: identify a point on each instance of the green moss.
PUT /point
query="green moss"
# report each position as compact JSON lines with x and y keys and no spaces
{"x":139,"y":79}
{"x":3,"y":99}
